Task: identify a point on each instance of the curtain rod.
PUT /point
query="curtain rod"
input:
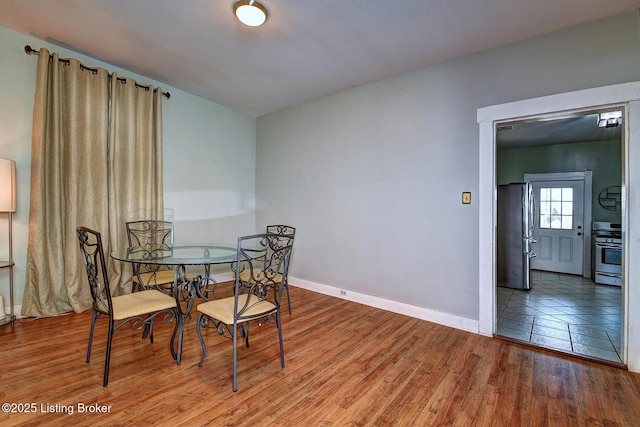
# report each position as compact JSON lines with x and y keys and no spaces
{"x":29,"y":50}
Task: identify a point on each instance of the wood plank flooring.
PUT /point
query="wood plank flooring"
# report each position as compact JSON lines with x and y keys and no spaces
{"x":346,"y":364}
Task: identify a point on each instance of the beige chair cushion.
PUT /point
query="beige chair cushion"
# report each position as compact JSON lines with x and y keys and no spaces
{"x":246,"y":275}
{"x":222,"y":309}
{"x":142,"y":302}
{"x":160,"y":277}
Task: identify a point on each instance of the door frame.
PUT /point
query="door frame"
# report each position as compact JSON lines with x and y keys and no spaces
{"x":626,"y":95}
{"x":587,"y":200}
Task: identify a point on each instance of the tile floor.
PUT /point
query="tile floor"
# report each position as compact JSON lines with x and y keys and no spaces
{"x":564,"y":312}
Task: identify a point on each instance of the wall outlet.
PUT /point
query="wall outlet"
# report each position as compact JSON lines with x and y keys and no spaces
{"x":466,"y":198}
{"x":343,"y":292}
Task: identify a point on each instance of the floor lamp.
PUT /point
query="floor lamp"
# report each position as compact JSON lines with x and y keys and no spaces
{"x":8,"y":205}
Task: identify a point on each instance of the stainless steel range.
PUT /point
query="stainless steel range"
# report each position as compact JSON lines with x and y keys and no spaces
{"x":607,"y":253}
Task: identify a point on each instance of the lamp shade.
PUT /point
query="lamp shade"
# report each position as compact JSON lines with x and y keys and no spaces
{"x":7,"y":185}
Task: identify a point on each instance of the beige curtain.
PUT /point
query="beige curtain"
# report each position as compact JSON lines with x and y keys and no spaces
{"x":77,"y":162}
{"x":135,"y":162}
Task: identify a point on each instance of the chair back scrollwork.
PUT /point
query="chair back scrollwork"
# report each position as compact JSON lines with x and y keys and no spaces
{"x":150,"y":233}
{"x":149,"y":240}
{"x":286,"y":235}
{"x":93,"y":259}
{"x":265,"y":259}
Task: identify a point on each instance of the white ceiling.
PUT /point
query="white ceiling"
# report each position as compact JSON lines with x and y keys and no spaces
{"x":577,"y":128}
{"x":307,"y":48}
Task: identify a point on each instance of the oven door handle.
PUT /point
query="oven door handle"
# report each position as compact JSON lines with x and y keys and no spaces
{"x":608,"y":246}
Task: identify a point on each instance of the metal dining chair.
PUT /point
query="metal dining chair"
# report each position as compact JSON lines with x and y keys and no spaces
{"x":138,"y":310}
{"x":151,"y":236}
{"x":285,"y":235}
{"x":256,"y":298}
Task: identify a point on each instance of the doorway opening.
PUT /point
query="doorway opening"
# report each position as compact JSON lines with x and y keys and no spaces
{"x":540,"y":110}
{"x":564,"y":309}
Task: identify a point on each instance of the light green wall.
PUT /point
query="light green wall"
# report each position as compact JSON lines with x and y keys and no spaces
{"x":373,"y":176}
{"x":203,"y":143}
{"x":604,"y":158}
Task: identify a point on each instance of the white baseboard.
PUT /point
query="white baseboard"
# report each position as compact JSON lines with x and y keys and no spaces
{"x":441,"y":318}
{"x":224,"y":277}
{"x":17,"y":310}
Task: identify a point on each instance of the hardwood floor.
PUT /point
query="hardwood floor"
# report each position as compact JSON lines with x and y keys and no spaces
{"x":346,"y":364}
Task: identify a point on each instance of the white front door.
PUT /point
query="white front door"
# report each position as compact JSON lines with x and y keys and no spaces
{"x":560,"y":226}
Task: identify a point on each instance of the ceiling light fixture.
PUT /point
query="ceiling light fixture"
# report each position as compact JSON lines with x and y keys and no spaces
{"x":250,"y":12}
{"x":610,"y":119}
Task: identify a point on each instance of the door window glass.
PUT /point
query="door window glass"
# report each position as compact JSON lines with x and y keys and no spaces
{"x":556,"y":208}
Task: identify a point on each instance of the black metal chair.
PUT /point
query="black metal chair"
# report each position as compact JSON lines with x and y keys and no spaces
{"x":256,"y":298}
{"x":285,"y":235}
{"x":138,"y":310}
{"x":151,"y":236}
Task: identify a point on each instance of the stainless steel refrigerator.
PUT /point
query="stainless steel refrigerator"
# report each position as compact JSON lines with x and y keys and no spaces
{"x":516,"y":223}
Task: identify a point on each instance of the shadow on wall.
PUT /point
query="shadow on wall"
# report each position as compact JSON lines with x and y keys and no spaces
{"x":199,"y":205}
{"x":211,"y":216}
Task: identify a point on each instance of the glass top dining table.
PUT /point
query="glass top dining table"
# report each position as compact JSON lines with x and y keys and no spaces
{"x":205,"y":254}
{"x":185,"y":287}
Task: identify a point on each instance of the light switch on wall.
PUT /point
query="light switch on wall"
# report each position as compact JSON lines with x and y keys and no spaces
{"x":466,"y":197}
